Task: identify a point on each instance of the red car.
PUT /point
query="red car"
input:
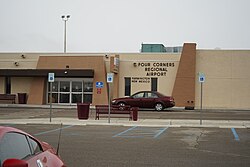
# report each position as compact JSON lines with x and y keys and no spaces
{"x":146,"y":99}
{"x":19,"y":149}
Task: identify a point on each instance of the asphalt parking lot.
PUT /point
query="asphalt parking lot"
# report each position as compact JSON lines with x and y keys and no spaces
{"x":115,"y":146}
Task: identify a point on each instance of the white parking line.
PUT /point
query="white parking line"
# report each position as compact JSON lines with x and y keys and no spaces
{"x":54,"y":130}
{"x":142,"y":132}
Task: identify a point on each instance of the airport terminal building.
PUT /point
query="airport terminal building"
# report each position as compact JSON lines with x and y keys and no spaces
{"x":176,"y":71}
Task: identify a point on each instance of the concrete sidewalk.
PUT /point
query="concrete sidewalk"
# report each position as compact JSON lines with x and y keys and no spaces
{"x":140,"y":122}
{"x":39,"y":114}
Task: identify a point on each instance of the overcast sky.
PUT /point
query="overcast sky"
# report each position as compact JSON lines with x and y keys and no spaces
{"x":122,"y":25}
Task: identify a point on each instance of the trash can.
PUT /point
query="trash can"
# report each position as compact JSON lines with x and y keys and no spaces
{"x":135,"y":113}
{"x":83,"y":110}
{"x":22,"y":98}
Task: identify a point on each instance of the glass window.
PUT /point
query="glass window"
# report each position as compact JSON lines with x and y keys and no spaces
{"x":7,"y":85}
{"x":64,"y":86}
{"x":151,"y":95}
{"x":87,"y":98}
{"x":71,"y":90}
{"x":54,"y":97}
{"x":139,"y":95}
{"x":14,"y":145}
{"x":76,"y":86}
{"x":36,"y":148}
{"x":88,"y":91}
{"x":88,"y":86}
{"x":127,"y":86}
{"x":154,"y":83}
{"x":76,"y":98}
{"x":64,"y":98}
{"x":54,"y":86}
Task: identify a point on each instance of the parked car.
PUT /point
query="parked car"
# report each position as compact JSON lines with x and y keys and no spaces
{"x":20,"y":149}
{"x":146,"y":99}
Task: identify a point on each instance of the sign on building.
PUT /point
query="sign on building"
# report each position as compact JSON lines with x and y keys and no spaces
{"x":99,"y":84}
{"x":51,"y":77}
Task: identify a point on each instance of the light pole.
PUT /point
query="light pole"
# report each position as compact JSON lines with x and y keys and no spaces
{"x":65,"y":18}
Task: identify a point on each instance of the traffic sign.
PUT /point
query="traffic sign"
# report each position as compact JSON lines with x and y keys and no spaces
{"x":201,"y":77}
{"x":99,"y":84}
{"x":51,"y":77}
{"x":99,"y":91}
{"x":110,"y":77}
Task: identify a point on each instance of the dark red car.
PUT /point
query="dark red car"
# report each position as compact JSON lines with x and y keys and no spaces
{"x":19,"y":149}
{"x":146,"y":99}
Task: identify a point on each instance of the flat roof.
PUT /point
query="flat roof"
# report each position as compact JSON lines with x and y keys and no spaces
{"x":83,"y":73}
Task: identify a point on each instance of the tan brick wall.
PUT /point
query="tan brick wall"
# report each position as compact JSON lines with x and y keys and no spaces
{"x":227,"y":83}
{"x":184,"y":87}
{"x":74,"y":62}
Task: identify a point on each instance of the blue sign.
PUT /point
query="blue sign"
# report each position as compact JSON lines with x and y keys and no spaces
{"x":201,"y":77}
{"x":110,"y":77}
{"x":51,"y":77}
{"x":99,"y":84}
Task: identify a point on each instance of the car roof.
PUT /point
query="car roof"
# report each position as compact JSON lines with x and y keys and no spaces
{"x":146,"y":91}
{"x":6,"y":129}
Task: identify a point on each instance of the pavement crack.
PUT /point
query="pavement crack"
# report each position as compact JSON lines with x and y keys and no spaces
{"x":196,"y":146}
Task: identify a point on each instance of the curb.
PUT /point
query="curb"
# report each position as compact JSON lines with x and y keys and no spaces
{"x":142,"y":122}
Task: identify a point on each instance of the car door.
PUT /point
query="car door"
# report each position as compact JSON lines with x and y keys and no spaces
{"x":38,"y":159}
{"x":149,"y":100}
{"x":137,"y":100}
{"x":42,"y":158}
{"x":16,"y":145}
{"x":45,"y":159}
{"x":20,"y":146}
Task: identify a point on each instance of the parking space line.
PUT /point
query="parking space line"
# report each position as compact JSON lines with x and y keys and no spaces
{"x":160,"y":132}
{"x":236,"y":137}
{"x":54,"y":130}
{"x":142,"y":132}
{"x":119,"y":134}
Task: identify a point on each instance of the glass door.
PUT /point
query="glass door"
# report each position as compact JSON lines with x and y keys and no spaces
{"x":88,"y":90}
{"x":71,"y":91}
{"x":76,"y":92}
{"x":64,"y":94}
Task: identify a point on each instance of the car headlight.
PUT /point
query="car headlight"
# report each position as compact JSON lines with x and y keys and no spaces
{"x":113,"y":101}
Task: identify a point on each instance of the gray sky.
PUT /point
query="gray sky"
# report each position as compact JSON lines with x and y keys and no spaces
{"x":122,"y":25}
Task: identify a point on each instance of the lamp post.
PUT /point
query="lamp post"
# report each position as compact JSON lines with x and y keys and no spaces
{"x":65,"y":18}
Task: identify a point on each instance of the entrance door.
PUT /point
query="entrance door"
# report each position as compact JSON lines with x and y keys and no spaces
{"x":64,"y":94}
{"x":71,"y":91}
{"x":76,"y":91}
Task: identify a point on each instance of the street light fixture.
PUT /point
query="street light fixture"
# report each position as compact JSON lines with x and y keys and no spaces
{"x":65,"y":18}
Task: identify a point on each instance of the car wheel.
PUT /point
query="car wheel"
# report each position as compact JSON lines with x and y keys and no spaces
{"x":158,"y":107}
{"x":121,"y":106}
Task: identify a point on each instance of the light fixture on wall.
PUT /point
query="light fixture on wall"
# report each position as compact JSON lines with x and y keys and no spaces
{"x":135,"y":64}
{"x":66,"y":70}
{"x":106,"y":56}
{"x":16,"y":63}
{"x":23,"y":56}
